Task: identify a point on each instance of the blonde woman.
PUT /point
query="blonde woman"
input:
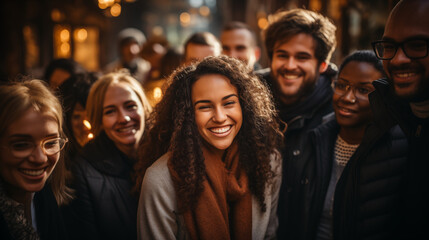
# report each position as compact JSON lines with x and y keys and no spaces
{"x":104,"y":208}
{"x":32,"y":170}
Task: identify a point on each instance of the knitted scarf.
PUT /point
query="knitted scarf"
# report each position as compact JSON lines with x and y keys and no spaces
{"x":13,"y":214}
{"x":224,"y":208}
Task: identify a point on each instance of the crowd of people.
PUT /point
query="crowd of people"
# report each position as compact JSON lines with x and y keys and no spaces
{"x":227,"y":150}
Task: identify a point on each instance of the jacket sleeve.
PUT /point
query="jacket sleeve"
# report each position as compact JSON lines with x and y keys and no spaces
{"x":80,"y":213}
{"x":157,"y":216}
{"x":275,"y":189}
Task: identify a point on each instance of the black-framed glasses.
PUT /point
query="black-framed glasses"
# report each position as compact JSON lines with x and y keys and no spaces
{"x":360,"y":92}
{"x":24,"y":148}
{"x":412,"y":48}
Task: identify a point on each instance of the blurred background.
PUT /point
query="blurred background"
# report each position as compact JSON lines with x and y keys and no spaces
{"x":37,"y":31}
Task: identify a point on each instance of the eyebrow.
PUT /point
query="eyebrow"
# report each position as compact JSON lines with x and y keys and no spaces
{"x":114,"y":106}
{"x":361,"y":83}
{"x":208,"y":101}
{"x":31,"y":137}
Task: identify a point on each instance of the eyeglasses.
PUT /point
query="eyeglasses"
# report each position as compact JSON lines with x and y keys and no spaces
{"x":24,"y":148}
{"x":413,"y":48}
{"x":361,"y":93}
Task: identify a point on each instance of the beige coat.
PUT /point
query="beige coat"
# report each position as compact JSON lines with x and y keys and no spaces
{"x":157,"y":216}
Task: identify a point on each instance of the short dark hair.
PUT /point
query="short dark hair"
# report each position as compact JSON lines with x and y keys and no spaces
{"x":235,"y":25}
{"x":66,"y":64}
{"x":292,"y":22}
{"x":202,"y":38}
{"x":366,"y":56}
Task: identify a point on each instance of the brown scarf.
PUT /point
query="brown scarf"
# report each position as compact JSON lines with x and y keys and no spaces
{"x":224,"y":208}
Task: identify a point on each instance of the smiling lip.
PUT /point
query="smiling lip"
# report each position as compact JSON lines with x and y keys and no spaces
{"x":345,"y":111}
{"x":33,"y":173}
{"x":221,"y":131}
{"x":290,"y":77}
{"x":404,"y":77}
{"x":127,"y":130}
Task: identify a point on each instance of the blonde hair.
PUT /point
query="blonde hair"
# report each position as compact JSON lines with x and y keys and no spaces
{"x":18,"y":97}
{"x":94,"y":104}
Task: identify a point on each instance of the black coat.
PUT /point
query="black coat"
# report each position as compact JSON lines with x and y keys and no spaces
{"x":308,"y":195}
{"x":301,"y":119}
{"x":50,"y":225}
{"x":103,"y":208}
{"x":370,"y":195}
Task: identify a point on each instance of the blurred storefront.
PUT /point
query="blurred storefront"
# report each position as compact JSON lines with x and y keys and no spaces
{"x":37,"y":31}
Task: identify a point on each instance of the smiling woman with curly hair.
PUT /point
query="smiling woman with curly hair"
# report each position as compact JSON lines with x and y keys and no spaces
{"x":209,"y":167}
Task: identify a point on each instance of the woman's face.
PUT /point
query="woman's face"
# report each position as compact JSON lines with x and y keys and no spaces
{"x":80,"y":131}
{"x":29,"y":173}
{"x":217,"y":110}
{"x":123,"y":116}
{"x":352,"y":108}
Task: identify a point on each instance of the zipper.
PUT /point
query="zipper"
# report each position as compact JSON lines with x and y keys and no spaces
{"x":418,"y":131}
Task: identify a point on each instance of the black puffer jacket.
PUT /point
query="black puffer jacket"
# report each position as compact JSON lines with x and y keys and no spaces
{"x":300,"y":118}
{"x":104,"y":207}
{"x":369,"y":198}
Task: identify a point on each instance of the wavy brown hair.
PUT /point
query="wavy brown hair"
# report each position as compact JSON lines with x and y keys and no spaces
{"x":173,"y":129}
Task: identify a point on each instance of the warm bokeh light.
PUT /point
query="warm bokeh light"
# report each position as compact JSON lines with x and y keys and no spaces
{"x":115,"y":10}
{"x":62,"y":41}
{"x":65,"y":48}
{"x":204,"y":11}
{"x":262,"y":23}
{"x":65,"y":35}
{"x":157,"y":30}
{"x":185,"y":18}
{"x":56,"y":15}
{"x":107,"y":3}
{"x":315,"y":5}
{"x":80,"y":34}
{"x":87,"y":124}
{"x":102,"y":5}
{"x":157,"y":94}
{"x":90,"y":136}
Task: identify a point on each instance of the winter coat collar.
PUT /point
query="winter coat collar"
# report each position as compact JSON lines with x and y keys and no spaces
{"x":321,"y":96}
{"x":104,"y":156}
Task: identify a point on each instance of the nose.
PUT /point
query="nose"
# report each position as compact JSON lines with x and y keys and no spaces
{"x":38,"y":155}
{"x":233,"y":53}
{"x":290,"y":63}
{"x":349,"y":95}
{"x":219,"y":115}
{"x":123,"y":117}
{"x":400,"y":57}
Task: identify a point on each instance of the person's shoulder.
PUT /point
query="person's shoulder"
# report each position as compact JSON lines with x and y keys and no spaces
{"x":157,"y":177}
{"x":161,"y":162}
{"x":159,"y":169}
{"x":264,"y":72}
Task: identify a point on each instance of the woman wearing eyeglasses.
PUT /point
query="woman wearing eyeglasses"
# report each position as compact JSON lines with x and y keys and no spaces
{"x":104,"y":207}
{"x":332,"y":145}
{"x":32,"y":170}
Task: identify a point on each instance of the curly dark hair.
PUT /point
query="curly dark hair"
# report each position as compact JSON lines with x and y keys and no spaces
{"x":173,"y":129}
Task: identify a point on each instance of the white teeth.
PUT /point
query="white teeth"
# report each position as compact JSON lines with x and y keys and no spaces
{"x":345,"y":110}
{"x":220,"y":130}
{"x":32,"y":172}
{"x":127,"y":129}
{"x":290,"y":76}
{"x":404,"y":75}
